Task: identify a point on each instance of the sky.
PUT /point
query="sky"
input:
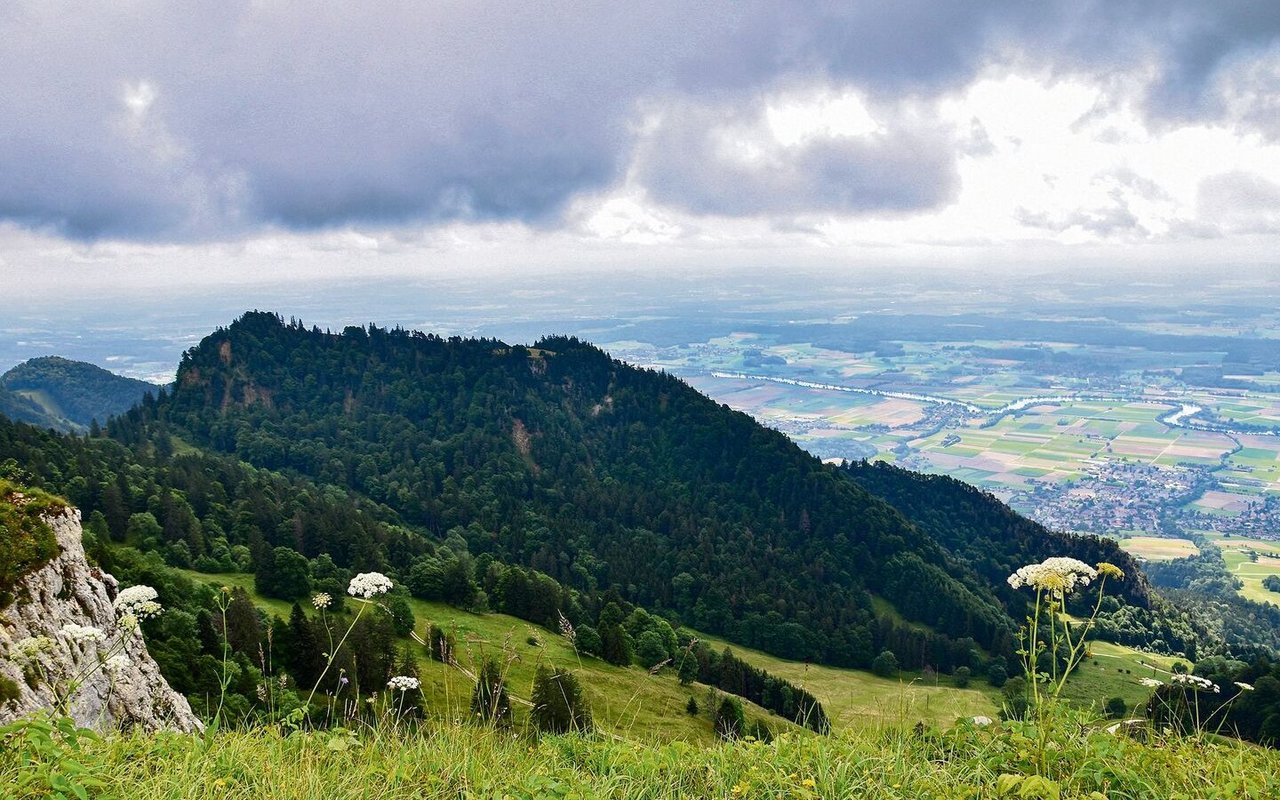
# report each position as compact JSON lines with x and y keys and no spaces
{"x":172,"y":145}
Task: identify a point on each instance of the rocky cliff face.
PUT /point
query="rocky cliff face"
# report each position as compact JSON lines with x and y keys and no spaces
{"x":62,"y":633}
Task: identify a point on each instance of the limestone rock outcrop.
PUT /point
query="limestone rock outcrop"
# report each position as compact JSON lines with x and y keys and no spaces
{"x":129,"y":692}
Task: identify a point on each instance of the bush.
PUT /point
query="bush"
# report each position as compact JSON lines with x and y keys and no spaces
{"x":961,"y":677}
{"x":10,"y":691}
{"x":559,"y":705}
{"x":1116,"y":707}
{"x":729,"y":720}
{"x":885,"y":665}
{"x":489,"y":701}
{"x":440,"y":645}
{"x":691,"y":707}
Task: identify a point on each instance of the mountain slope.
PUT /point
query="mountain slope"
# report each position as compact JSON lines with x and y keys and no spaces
{"x":71,"y":394}
{"x":24,"y":409}
{"x":990,"y":537}
{"x":597,"y":473}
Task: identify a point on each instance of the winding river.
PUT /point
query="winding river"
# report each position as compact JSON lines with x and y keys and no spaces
{"x":1182,"y":416}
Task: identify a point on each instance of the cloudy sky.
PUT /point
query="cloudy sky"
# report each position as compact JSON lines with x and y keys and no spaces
{"x":249,"y":140}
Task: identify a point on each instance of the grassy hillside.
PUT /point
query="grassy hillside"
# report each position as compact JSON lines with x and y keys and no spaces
{"x":631,"y":703}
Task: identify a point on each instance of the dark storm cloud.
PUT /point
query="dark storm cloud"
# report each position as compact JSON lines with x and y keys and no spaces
{"x":244,"y":114}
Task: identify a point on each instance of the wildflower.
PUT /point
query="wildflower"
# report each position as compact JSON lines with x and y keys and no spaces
{"x":116,"y":665}
{"x":30,"y":648}
{"x":1109,"y":570}
{"x":567,"y":631}
{"x":83,"y":634}
{"x":1057,"y":576}
{"x":1196,"y":682}
{"x":369,"y":585}
{"x":127,"y":622}
{"x":982,"y":721}
{"x":402,"y":683}
{"x":140,"y":601}
{"x":321,"y":601}
{"x":1244,"y":687}
{"x":808,"y":783}
{"x":1151,"y":683}
{"x":261,"y":691}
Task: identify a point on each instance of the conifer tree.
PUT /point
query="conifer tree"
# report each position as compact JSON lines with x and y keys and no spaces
{"x":489,"y":701}
{"x":559,"y":705}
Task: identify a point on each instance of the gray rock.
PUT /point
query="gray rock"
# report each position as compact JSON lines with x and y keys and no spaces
{"x":67,"y":591}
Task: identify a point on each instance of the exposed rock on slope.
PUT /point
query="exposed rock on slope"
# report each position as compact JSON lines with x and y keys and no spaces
{"x":67,"y":591}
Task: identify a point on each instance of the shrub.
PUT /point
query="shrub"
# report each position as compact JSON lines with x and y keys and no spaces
{"x":1116,"y":707}
{"x":729,"y":721}
{"x":440,"y":645}
{"x":961,"y":677}
{"x":885,"y":665}
{"x":11,"y":691}
{"x":691,"y":707}
{"x":489,"y":701}
{"x":559,"y":705}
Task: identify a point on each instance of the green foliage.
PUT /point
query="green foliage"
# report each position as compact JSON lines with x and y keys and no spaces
{"x":1115,"y":707}
{"x":559,"y":706}
{"x":731,"y":674}
{"x":289,"y":575}
{"x":1271,"y":583}
{"x":961,"y":677}
{"x":691,"y":707}
{"x":8,"y":690}
{"x":886,"y":664}
{"x":440,"y":645}
{"x":402,"y":621}
{"x":489,"y":701}
{"x":729,"y":722}
{"x":27,"y":542}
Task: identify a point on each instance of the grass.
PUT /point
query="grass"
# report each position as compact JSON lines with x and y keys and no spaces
{"x":465,"y":761}
{"x":1159,"y":548}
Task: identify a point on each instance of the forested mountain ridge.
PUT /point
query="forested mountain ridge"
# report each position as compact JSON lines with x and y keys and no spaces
{"x":71,"y":395}
{"x":596,"y":473}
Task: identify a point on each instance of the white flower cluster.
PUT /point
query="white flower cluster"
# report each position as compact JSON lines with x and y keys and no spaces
{"x":402,"y":683}
{"x":322,"y":601}
{"x":138,"y":602}
{"x":1150,"y":683}
{"x":83,"y":634}
{"x":369,"y":585}
{"x":116,"y":665}
{"x":1244,"y":687}
{"x":30,"y":648}
{"x":1057,"y":576}
{"x":1196,"y":682}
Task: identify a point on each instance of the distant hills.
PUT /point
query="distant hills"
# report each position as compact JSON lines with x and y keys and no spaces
{"x":67,"y":395}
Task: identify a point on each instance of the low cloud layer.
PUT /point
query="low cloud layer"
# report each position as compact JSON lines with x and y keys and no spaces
{"x":157,"y":121}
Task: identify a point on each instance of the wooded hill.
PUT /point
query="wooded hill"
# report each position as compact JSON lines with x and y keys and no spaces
{"x":601,"y":475}
{"x":67,"y":395}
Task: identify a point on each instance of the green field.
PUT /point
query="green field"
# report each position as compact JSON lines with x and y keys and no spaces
{"x":1251,"y":560}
